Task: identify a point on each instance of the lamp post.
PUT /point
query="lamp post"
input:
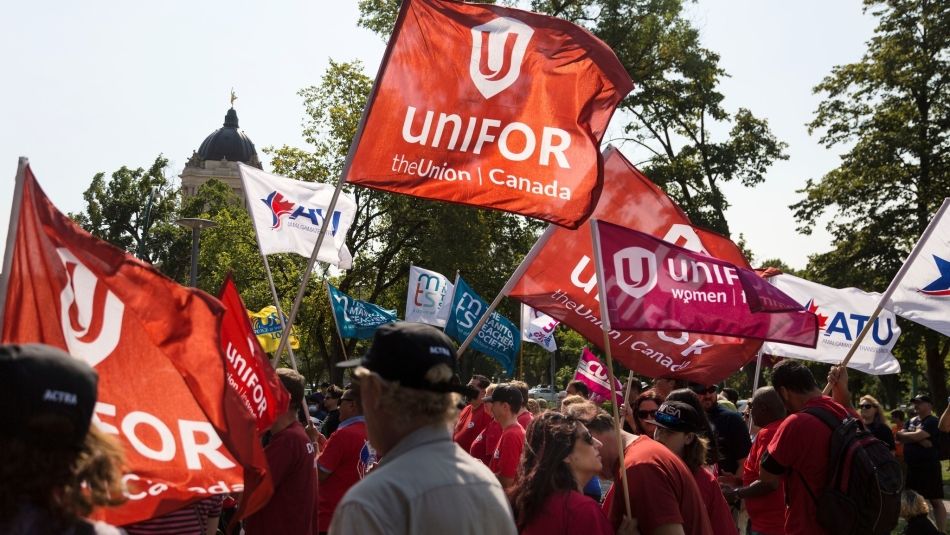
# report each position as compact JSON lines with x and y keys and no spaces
{"x":195,"y":224}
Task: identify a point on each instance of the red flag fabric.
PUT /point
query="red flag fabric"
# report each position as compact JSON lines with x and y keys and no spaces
{"x":248,"y":366}
{"x":653,"y":285}
{"x":155,"y":344}
{"x":593,"y":373}
{"x":562,"y":283}
{"x":492,"y":107}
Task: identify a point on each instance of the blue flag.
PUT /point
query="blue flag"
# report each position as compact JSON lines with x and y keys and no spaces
{"x":355,"y":318}
{"x":499,"y":338}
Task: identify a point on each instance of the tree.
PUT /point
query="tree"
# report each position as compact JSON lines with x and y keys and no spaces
{"x":675,"y":105}
{"x":891,"y":112}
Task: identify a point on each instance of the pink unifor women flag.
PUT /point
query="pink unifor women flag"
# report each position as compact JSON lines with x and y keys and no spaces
{"x":652,"y":285}
{"x":592,"y":372}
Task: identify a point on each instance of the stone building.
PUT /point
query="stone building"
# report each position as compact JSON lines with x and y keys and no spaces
{"x":217,"y":157}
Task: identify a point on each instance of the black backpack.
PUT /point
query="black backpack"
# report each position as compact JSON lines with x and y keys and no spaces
{"x":863,"y":494}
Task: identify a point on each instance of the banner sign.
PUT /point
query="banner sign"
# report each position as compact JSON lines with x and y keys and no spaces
{"x":538,"y":328}
{"x":429,"y":299}
{"x":355,"y":318}
{"x":288,"y":214}
{"x":562,"y":283}
{"x":593,"y":373}
{"x":163,"y":391}
{"x":653,"y":285}
{"x":498,"y":338}
{"x":842,"y":313}
{"x":923,"y":295}
{"x":492,"y":107}
{"x":268,"y":329}
{"x":249,"y":370}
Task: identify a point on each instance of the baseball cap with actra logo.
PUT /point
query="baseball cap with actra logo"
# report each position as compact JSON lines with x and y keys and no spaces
{"x":39,"y":385}
{"x":405,"y":352}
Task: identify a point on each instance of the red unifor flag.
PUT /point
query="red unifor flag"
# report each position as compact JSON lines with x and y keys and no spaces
{"x":163,"y":391}
{"x":492,"y":107}
{"x":561,"y":281}
{"x":248,"y":367}
{"x":653,"y":285}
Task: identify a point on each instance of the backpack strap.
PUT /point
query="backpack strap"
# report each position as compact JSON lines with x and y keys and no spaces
{"x":824,"y":415}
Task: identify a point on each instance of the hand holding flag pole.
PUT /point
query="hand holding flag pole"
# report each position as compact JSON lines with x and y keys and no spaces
{"x":892,"y":287}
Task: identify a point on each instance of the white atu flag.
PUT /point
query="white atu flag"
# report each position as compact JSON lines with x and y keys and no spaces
{"x":288,"y":214}
{"x":429,"y":299}
{"x":923,"y":294}
{"x":842,"y":313}
{"x":538,"y":328}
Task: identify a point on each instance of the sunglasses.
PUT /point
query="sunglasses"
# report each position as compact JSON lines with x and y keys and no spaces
{"x":588,"y":438}
{"x":643,"y":415}
{"x":708,"y":390}
{"x":866,"y":406}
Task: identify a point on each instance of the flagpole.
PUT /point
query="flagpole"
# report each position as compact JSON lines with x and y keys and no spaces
{"x":892,"y":287}
{"x":515,"y":277}
{"x":11,"y":234}
{"x":755,"y":381}
{"x":605,"y":324}
{"x":346,"y":169}
{"x":336,"y":323}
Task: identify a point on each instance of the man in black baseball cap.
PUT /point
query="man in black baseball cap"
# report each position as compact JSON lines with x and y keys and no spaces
{"x":922,"y":455}
{"x":409,"y":389}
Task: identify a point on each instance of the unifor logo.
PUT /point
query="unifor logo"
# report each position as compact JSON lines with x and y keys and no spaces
{"x":498,"y":48}
{"x":635,"y":269}
{"x":90,"y":314}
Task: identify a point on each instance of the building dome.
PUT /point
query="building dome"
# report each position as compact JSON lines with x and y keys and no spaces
{"x":229,"y":143}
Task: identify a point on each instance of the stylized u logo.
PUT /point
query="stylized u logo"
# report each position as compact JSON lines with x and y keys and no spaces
{"x":90,"y":315}
{"x":498,"y":48}
{"x":635,"y":268}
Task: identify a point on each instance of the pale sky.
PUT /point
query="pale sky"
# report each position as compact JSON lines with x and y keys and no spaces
{"x":92,"y":86}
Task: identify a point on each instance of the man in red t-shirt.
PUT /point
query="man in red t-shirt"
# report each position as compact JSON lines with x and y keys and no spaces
{"x":765,"y":504}
{"x":290,"y":457}
{"x":506,"y":402}
{"x":664,"y":498}
{"x":524,"y":415}
{"x":798,"y":453}
{"x":345,"y":459}
{"x":474,"y":417}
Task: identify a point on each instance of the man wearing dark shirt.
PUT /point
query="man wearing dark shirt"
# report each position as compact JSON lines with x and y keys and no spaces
{"x":331,"y":403}
{"x":732,"y":435}
{"x":922,"y":456}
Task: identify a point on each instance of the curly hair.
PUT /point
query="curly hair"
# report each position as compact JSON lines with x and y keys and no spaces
{"x":56,"y":477}
{"x":542,"y":471}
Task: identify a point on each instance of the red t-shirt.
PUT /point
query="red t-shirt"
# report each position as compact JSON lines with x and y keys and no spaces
{"x":524,"y":418}
{"x":568,"y":513}
{"x":662,"y":491}
{"x":507,"y":454}
{"x":766,"y":512}
{"x":720,"y":516}
{"x":471,"y":422}
{"x":290,"y":456}
{"x":343,"y":458}
{"x":801,"y":445}
{"x":485,"y":443}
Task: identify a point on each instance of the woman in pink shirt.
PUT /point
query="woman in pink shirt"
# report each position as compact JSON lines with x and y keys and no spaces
{"x":560,"y":456}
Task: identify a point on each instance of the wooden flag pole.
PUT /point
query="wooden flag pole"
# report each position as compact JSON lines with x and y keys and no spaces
{"x":755,"y":381}
{"x":892,"y":287}
{"x":11,"y":234}
{"x":605,"y":323}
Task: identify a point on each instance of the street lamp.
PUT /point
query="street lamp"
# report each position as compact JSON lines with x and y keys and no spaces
{"x":195,"y":224}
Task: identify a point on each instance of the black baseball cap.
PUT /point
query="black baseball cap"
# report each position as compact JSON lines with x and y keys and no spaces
{"x":404,"y":352}
{"x":505,"y":393}
{"x":677,"y":416}
{"x":700,"y":388}
{"x":922,"y":398}
{"x":38,"y":382}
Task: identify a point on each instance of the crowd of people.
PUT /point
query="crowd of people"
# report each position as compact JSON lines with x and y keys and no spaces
{"x":406,"y":447}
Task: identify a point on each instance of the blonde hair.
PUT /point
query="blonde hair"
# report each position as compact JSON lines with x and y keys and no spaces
{"x":878,"y":414}
{"x":913,"y":504}
{"x":571,"y":400}
{"x":533,"y":406}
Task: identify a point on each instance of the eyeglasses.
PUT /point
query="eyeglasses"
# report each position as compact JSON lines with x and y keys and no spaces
{"x":346,"y":399}
{"x":643,"y":415}
{"x":866,"y":406}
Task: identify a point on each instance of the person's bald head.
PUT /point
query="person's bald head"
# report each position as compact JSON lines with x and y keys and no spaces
{"x":767,"y":406}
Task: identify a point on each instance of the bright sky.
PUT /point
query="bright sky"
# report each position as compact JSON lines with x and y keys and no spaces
{"x":90,"y":87}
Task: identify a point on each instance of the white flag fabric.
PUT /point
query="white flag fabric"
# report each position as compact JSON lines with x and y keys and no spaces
{"x":537,"y":327}
{"x":429,"y":299}
{"x":923,"y":294}
{"x":842,"y":313}
{"x":288,"y":215}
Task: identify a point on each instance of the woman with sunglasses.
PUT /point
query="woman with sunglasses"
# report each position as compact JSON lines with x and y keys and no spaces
{"x":560,"y":455}
{"x":870,"y":411}
{"x":642,"y":409}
